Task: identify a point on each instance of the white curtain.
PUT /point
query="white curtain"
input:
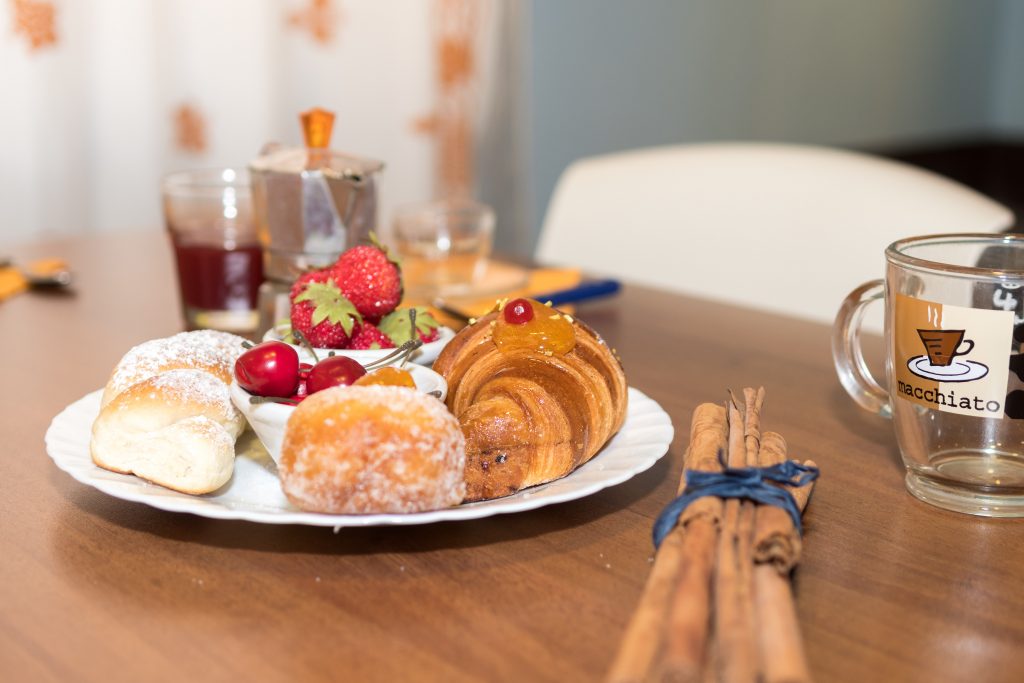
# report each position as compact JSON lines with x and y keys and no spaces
{"x":100,"y":98}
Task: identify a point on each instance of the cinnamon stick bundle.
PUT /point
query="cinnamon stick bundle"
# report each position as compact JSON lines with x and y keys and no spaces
{"x":718,"y":604}
{"x":735,"y":657}
{"x":681,"y":569}
{"x":777,"y":548}
{"x":690,"y":608}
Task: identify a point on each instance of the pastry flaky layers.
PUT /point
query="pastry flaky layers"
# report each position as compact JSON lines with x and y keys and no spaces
{"x":166,"y":413}
{"x":372,"y":449}
{"x":530,"y":417}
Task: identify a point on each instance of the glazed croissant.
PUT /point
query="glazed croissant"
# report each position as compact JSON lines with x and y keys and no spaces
{"x":530,"y":417}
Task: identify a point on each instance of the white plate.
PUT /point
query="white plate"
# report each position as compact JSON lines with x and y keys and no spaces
{"x":424,"y":355}
{"x":254,"y":493}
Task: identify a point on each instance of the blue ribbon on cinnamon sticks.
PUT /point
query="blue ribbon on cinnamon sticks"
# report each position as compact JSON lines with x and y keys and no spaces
{"x":753,"y":483}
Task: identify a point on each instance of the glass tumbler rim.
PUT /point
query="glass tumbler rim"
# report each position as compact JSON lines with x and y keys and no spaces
{"x":444,"y":206}
{"x":896,"y":253}
{"x":205,"y":181}
{"x":411,"y":220}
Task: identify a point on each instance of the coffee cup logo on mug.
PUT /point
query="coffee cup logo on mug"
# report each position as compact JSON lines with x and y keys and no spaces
{"x":954,"y":335}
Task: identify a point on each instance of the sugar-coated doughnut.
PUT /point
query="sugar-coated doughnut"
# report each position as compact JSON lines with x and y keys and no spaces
{"x":372,"y":449}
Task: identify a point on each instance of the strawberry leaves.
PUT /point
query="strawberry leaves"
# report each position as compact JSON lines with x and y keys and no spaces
{"x":398,"y":324}
{"x":331,"y":305}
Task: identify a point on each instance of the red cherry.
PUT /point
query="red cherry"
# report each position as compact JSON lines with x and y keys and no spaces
{"x":300,"y":391}
{"x":518,"y":312}
{"x":333,"y":372}
{"x":268,"y":369}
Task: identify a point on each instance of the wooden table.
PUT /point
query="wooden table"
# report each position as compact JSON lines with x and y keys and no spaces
{"x":98,"y":589}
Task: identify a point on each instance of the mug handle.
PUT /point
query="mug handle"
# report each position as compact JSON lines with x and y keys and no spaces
{"x":846,"y":352}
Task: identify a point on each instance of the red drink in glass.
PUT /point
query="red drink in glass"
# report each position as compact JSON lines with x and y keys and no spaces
{"x":219,"y":278}
{"x":220,"y":261}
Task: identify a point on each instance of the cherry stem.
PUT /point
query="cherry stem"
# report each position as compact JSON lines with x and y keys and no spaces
{"x":273,"y":399}
{"x":403,"y":351}
{"x":412,"y":335}
{"x":246,"y":344}
{"x":305,"y":342}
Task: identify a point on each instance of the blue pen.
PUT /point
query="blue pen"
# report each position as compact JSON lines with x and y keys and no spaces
{"x":582,"y":292}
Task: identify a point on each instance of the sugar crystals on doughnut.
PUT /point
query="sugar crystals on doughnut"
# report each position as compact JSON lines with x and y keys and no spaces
{"x":372,"y":449}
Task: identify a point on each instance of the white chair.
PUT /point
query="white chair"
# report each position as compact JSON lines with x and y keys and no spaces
{"x":784,"y":228}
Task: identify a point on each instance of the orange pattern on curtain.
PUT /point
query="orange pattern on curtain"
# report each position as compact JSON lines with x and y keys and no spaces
{"x":320,"y":18}
{"x":36,"y":21}
{"x":166,"y":62}
{"x":189,"y":129}
{"x":456,"y":26}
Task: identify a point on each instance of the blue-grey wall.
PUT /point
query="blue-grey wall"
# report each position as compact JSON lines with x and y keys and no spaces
{"x":1007,"y":100}
{"x":607,"y":75}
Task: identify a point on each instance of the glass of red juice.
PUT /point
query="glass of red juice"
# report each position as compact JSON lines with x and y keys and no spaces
{"x":219,"y":258}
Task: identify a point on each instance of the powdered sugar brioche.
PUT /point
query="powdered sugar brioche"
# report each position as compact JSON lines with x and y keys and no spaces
{"x":208,"y":350}
{"x":176,"y":429}
{"x":372,"y":449}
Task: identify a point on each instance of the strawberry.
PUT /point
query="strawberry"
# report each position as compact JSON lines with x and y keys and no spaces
{"x":299,"y":285}
{"x":431,"y":336}
{"x":398,"y":325}
{"x":369,"y":337}
{"x":322,"y":313}
{"x":370,"y":279}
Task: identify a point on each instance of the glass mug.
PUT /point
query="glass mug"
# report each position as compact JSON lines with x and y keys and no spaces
{"x":954,"y":338}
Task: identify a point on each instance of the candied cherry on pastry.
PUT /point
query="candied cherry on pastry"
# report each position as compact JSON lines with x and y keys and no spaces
{"x":518,"y":312}
{"x":333,"y":372}
{"x":528,"y":324}
{"x":388,"y":376}
{"x":268,"y":369}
